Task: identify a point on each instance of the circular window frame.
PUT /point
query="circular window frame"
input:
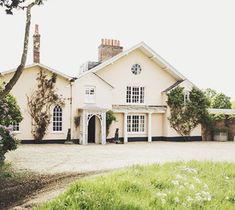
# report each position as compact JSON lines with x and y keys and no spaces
{"x":136,"y":69}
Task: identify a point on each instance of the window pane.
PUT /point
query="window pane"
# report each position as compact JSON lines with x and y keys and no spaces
{"x":128,"y":94}
{"x":141,"y":94}
{"x":57,"y":118}
{"x":141,"y":128}
{"x":135,"y":123}
{"x":134,"y":94}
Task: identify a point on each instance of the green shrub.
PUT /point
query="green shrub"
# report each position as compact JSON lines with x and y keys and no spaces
{"x":9,"y":114}
{"x":7,"y":142}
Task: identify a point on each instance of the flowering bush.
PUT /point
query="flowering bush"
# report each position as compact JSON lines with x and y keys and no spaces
{"x":9,"y":114}
{"x":7,"y":141}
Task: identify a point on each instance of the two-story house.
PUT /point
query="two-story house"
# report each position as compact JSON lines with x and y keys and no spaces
{"x":132,"y":83}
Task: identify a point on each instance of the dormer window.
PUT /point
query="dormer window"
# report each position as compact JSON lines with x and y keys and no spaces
{"x":90,"y":94}
{"x":186,"y":96}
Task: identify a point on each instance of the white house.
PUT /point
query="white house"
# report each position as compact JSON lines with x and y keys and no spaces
{"x":132,"y":83}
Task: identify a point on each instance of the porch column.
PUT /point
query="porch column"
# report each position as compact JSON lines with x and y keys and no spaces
{"x":125,"y":128}
{"x":84,"y":128}
{"x":149,"y":127}
{"x":103,"y":128}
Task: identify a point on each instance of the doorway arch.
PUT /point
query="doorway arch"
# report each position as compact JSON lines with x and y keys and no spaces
{"x":94,"y":130}
{"x":86,"y":115}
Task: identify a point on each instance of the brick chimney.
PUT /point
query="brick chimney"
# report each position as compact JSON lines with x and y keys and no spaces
{"x":36,"y":45}
{"x":108,"y":49}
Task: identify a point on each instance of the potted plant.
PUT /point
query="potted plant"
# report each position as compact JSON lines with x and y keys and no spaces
{"x":221,"y":134}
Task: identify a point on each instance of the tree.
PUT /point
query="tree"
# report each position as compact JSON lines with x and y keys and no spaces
{"x":218,"y":100}
{"x":212,"y":121}
{"x":233,"y":105}
{"x":210,"y":94}
{"x":9,"y":114}
{"x":186,"y":115}
{"x":40,"y":103}
{"x":221,"y":101}
{"x":9,"y":6}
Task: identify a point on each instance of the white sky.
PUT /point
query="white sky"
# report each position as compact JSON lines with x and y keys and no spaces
{"x":196,"y":36}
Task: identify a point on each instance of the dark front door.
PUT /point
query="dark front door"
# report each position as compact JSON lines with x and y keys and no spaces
{"x":91,"y":130}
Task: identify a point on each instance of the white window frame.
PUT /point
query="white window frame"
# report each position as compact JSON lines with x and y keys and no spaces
{"x":135,"y":95}
{"x":186,"y":96}
{"x":57,"y":121}
{"x":141,"y":126}
{"x":90,"y":94}
{"x":16,"y":127}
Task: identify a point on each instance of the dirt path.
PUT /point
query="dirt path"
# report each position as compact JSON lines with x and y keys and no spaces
{"x":33,"y":193}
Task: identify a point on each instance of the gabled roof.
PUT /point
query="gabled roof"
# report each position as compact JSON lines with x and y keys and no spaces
{"x":103,"y":80}
{"x":39,"y":65}
{"x":172,"y":86}
{"x":149,"y":53}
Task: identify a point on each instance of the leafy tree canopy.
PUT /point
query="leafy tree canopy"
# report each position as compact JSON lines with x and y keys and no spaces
{"x":187,"y":114}
{"x":233,"y":105}
{"x":10,"y":5}
{"x":218,"y":100}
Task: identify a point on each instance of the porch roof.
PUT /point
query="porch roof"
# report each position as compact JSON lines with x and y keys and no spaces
{"x":222,"y":111}
{"x":92,"y":107}
{"x":139,"y":108}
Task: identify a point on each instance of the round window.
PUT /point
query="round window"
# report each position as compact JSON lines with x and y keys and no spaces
{"x":136,"y":69}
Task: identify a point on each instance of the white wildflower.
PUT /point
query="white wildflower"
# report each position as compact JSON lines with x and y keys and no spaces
{"x":205,"y":186}
{"x":190,"y":170}
{"x":198,"y":197}
{"x":226,"y":177}
{"x":206,"y":195}
{"x":179,"y":176}
{"x":175,"y":182}
{"x":159,"y":194}
{"x":186,"y":184}
{"x":181,"y":187}
{"x":183,"y":204}
{"x":176,"y":199}
{"x":189,"y":198}
{"x":191,"y":187}
{"x":226,"y":198}
{"x":163,"y":201}
{"x":197,"y":180}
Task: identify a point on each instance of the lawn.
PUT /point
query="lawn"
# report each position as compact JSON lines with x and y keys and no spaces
{"x":192,"y":185}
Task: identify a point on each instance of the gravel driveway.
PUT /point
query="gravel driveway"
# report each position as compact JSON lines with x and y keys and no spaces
{"x":59,"y":158}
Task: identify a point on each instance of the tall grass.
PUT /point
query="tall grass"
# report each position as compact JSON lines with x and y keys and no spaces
{"x":192,"y":185}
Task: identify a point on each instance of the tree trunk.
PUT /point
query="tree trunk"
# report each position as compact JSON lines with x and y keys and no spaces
{"x":20,"y":68}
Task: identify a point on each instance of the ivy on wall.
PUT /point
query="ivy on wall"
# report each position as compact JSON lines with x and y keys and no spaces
{"x":40,"y":103}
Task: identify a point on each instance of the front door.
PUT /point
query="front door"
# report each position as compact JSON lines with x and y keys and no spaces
{"x":91,"y":130}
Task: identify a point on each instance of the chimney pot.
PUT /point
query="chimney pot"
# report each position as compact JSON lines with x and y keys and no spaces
{"x":108,"y":49}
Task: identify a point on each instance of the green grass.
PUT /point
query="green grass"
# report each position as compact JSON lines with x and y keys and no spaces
{"x":192,"y":185}
{"x":7,"y":173}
